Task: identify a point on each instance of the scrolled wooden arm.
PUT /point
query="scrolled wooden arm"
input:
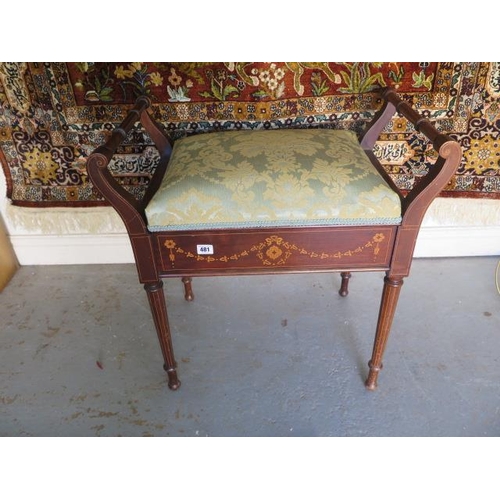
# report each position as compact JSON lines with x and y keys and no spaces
{"x":416,"y":202}
{"x":420,"y":197}
{"x":129,"y":208}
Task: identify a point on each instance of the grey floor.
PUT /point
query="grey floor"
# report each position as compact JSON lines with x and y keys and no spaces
{"x":258,"y":356}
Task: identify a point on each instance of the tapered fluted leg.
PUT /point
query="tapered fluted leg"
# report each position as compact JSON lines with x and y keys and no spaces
{"x":390,"y":295}
{"x":344,"y":286}
{"x":156,"y":299}
{"x":188,"y":290}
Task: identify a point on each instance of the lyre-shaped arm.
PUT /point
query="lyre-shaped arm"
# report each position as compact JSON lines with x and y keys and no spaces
{"x":416,"y":202}
{"x":131,"y":210}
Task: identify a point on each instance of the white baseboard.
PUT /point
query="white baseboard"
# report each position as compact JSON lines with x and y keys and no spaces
{"x":52,"y":249}
{"x":458,"y":241}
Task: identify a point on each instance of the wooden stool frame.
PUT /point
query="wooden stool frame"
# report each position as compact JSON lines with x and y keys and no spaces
{"x":341,"y":249}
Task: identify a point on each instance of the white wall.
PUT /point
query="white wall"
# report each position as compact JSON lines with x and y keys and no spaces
{"x":453,"y":227}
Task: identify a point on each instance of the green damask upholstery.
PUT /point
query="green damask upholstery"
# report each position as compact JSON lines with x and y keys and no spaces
{"x":271,"y":178}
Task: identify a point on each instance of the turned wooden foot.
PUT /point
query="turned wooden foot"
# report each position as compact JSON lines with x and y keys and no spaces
{"x":173,"y":382}
{"x":188,"y":290}
{"x":390,"y":295}
{"x":158,"y":306}
{"x":344,"y":286}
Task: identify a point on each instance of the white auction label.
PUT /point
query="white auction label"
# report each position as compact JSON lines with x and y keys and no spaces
{"x":205,"y":249}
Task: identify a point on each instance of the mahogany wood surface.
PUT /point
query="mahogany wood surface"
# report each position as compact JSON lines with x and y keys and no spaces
{"x":275,"y":250}
{"x":188,"y":289}
{"x":390,"y":296}
{"x":344,"y":286}
{"x":158,"y":306}
{"x":242,"y":251}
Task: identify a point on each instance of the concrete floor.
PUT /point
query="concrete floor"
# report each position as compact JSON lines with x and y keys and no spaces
{"x":258,"y":356}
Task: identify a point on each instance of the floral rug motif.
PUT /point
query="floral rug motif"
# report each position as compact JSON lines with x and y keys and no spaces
{"x":52,"y":116}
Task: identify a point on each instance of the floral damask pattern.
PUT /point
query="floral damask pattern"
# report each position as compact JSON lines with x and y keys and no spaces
{"x":65,"y":110}
{"x":271,"y":178}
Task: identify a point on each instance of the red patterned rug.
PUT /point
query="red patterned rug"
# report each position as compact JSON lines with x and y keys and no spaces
{"x":52,"y":115}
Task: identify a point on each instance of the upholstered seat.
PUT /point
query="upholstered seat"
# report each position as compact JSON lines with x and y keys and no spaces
{"x":271,"y":178}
